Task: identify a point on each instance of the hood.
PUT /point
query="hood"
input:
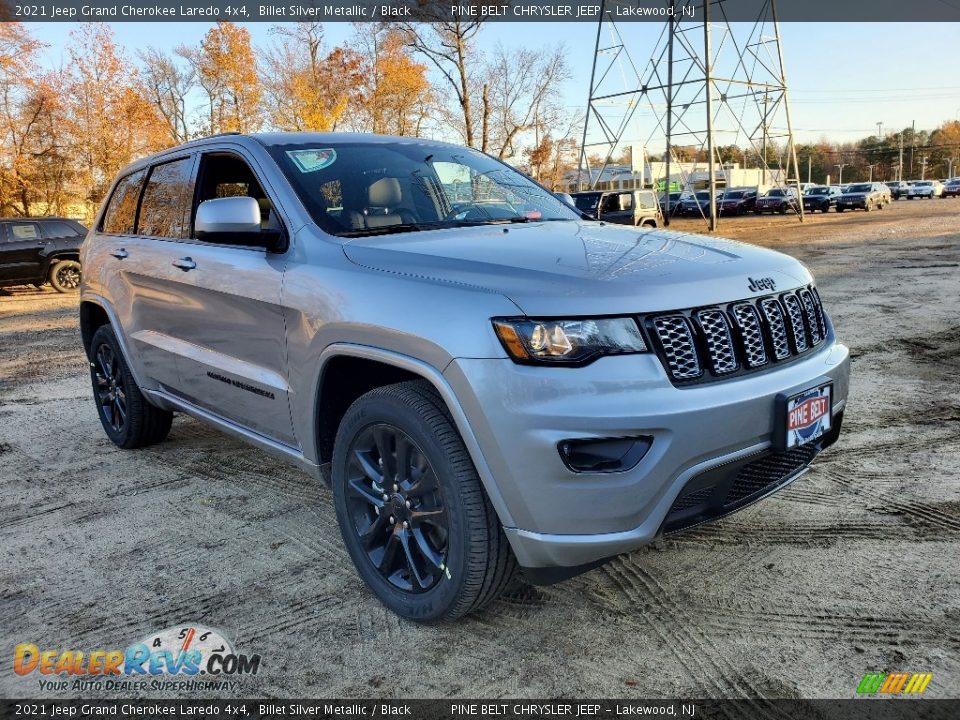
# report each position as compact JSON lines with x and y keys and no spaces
{"x":581,"y":268}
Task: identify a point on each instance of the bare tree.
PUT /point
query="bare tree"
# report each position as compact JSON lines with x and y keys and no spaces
{"x":168,"y":84}
{"x":521,"y":93}
{"x":448,"y":45}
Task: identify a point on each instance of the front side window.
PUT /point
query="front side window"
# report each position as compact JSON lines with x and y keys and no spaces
{"x":166,"y":199}
{"x":120,"y":217}
{"x":355,"y":189}
{"x":58,"y":229}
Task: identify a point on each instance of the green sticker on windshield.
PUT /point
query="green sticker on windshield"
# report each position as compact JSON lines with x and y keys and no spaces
{"x":308,"y":161}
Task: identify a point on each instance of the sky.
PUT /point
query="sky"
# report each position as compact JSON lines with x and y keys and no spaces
{"x":843,"y":78}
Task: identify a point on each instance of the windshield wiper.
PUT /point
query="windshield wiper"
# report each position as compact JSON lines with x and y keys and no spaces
{"x":384,"y":230}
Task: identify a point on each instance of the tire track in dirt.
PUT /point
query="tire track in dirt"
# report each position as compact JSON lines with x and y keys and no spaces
{"x":703,"y":669}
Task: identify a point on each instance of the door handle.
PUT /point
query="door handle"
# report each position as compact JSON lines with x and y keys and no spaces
{"x":120,"y":253}
{"x":185,"y":264}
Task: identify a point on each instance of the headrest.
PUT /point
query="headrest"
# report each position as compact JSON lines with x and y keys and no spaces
{"x":385,"y":192}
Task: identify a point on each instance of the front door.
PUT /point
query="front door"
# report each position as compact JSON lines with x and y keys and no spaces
{"x":230,"y":326}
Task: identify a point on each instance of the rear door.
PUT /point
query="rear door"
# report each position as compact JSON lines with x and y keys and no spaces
{"x":227,"y":327}
{"x":21,"y":251}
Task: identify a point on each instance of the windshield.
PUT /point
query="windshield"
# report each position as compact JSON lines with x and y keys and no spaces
{"x":818,"y":191}
{"x":703,"y":196}
{"x":733,"y":195}
{"x":923,"y":184}
{"x":775,"y":193}
{"x":859,"y":188}
{"x":587,"y":202}
{"x":357,"y":189}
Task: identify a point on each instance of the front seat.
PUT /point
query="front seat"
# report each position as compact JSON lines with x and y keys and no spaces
{"x":384,"y":198}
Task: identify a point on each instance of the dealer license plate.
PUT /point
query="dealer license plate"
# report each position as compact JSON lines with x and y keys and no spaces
{"x":808,"y":415}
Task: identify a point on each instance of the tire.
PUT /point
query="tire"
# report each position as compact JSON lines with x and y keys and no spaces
{"x":65,"y":276}
{"x":825,"y":207}
{"x":783,"y":209}
{"x":451,"y":567}
{"x":128,"y":419}
{"x":840,"y":209}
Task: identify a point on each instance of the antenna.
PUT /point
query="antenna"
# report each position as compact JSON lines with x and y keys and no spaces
{"x":710,"y":86}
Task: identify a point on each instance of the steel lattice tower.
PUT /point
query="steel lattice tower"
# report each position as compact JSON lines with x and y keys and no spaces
{"x":710,"y":84}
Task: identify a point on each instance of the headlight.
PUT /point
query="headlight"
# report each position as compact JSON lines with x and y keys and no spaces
{"x":571,"y":342}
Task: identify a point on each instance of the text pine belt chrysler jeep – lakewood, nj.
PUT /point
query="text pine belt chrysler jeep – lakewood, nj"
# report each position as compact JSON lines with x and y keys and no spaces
{"x":491,"y":381}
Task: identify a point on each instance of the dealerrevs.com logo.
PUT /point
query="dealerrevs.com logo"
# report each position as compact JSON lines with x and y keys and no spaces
{"x":183,"y":657}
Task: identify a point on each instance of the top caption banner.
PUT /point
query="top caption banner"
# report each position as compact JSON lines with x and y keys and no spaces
{"x":472,"y":10}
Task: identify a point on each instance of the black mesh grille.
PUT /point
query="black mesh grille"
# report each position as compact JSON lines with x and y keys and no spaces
{"x":691,"y":499}
{"x":768,"y":472}
{"x":739,"y":337}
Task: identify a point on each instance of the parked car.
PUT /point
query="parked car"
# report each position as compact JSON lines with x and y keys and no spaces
{"x":898,"y":188}
{"x":736,"y":201}
{"x":951,"y":188}
{"x":777,"y":200}
{"x":865,"y":196}
{"x":675,"y":198}
{"x":928,"y":189}
{"x":497,"y":386}
{"x":696,"y":204}
{"x":624,"y":207}
{"x":821,"y":197}
{"x":34,"y":251}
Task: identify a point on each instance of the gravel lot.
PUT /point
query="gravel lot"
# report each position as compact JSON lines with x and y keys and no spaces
{"x":852,"y":569}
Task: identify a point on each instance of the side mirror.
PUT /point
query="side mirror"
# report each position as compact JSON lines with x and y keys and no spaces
{"x":235,"y":221}
{"x":565,"y":197}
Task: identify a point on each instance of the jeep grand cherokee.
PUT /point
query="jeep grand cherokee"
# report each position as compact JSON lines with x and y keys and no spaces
{"x":488,"y":381}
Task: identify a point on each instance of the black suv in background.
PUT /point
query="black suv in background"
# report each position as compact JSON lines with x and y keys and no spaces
{"x":34,"y":251}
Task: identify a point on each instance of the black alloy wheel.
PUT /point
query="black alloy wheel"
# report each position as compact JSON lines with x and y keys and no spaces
{"x":111,"y":397}
{"x":68,"y":275}
{"x":396,"y":509}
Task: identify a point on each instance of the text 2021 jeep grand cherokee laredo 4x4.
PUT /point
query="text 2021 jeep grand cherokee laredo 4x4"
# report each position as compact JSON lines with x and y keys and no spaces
{"x":486,"y":379}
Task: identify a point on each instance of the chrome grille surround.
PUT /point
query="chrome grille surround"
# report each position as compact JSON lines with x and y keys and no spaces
{"x":773,"y":314}
{"x":676,"y":337}
{"x":716,"y":332}
{"x":748,"y":322}
{"x":813,"y":318}
{"x":799,"y":332}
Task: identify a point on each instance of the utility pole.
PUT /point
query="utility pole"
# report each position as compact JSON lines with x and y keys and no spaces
{"x":766,"y":100}
{"x":900,"y":164}
{"x":880,"y":130}
{"x":871,"y":166}
{"x":913,"y":143}
{"x":809,"y":167}
{"x":708,"y":78}
{"x":923,"y":167}
{"x":841,"y":166}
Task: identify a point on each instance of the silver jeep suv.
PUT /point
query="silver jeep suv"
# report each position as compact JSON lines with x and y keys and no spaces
{"x":488,"y":381}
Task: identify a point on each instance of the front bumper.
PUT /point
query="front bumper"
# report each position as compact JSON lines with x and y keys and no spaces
{"x":561,"y":518}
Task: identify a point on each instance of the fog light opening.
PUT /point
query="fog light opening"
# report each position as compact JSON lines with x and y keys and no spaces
{"x":604,"y":454}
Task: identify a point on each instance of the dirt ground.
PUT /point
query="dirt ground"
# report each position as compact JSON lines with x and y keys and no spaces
{"x":854,"y":568}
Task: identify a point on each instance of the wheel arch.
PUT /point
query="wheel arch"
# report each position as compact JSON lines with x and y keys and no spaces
{"x":348,"y":371}
{"x":53,"y":258}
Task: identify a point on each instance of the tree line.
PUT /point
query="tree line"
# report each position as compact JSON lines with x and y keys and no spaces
{"x":67,"y":131}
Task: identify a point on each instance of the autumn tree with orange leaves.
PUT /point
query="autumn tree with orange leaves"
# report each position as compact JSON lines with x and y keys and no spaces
{"x":308,"y":88}
{"x":395,"y":93}
{"x":226,"y":69}
{"x":108,"y":120}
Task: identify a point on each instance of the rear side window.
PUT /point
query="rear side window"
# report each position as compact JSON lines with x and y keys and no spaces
{"x":57,"y":229}
{"x":121,"y":215}
{"x":166,"y":199}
